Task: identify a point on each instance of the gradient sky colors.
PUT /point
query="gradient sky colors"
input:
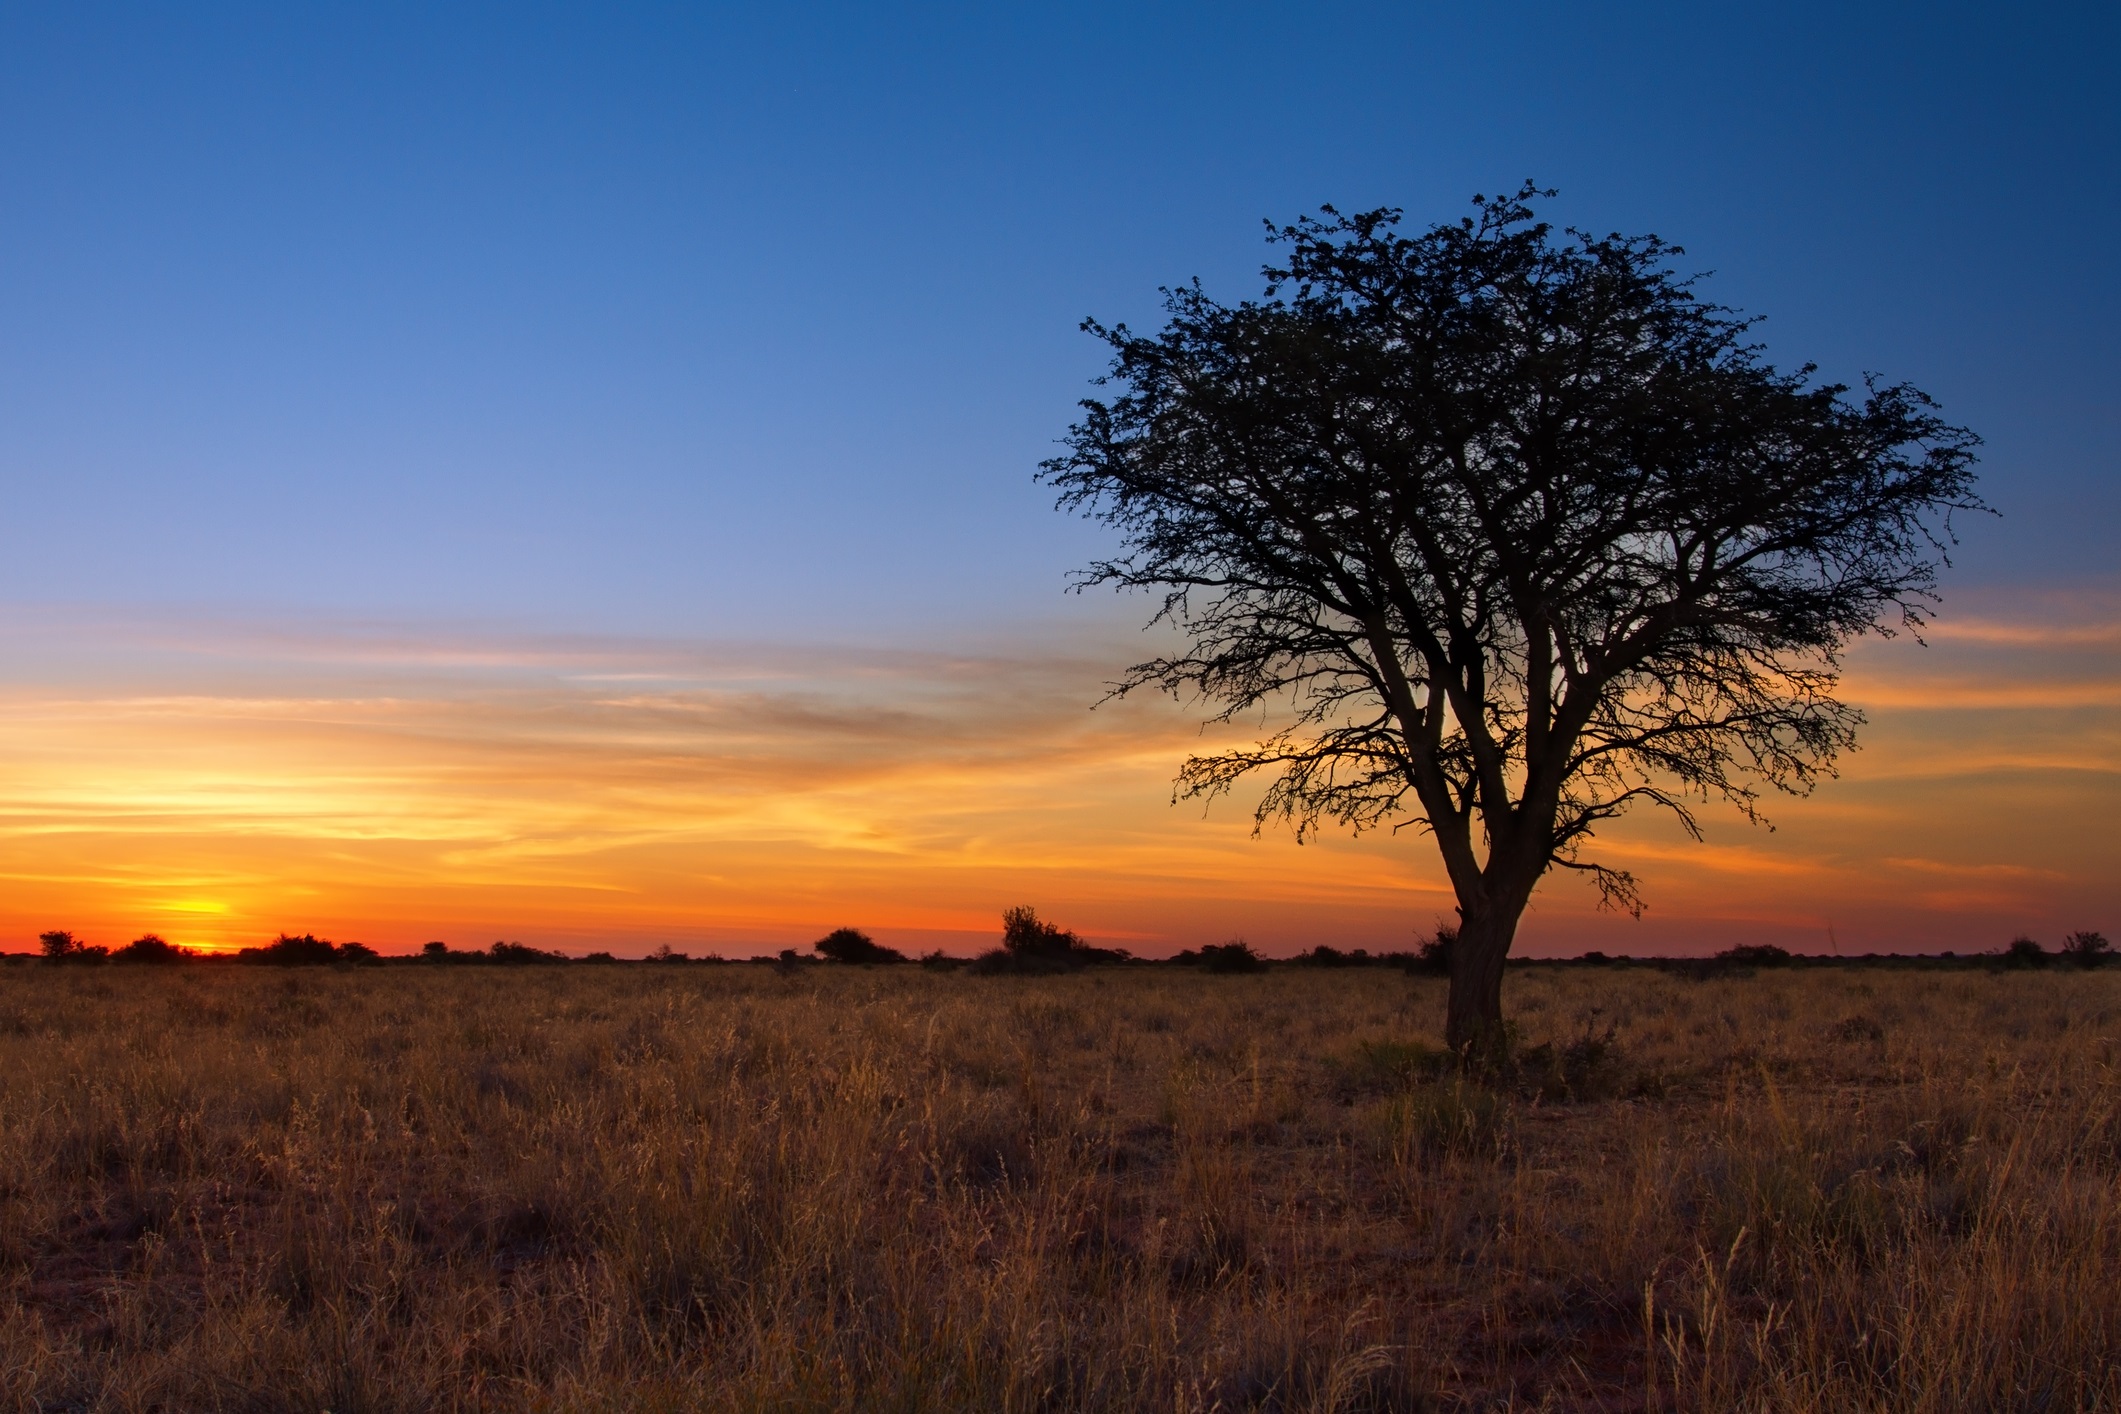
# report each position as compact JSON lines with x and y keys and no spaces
{"x":536,"y":473}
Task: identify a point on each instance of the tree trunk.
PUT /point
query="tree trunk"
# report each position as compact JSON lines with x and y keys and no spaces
{"x":1473,"y":1016}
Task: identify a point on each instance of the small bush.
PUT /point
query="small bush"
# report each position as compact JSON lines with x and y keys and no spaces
{"x":1395,"y":1065}
{"x":1583,"y":1069}
{"x":62,"y":946}
{"x":287,"y":950}
{"x":1459,"y":1118}
{"x":1755,"y":955}
{"x":152,"y":950}
{"x":518,"y":955}
{"x":2024,"y":953}
{"x":1026,"y":934}
{"x":1233,"y":956}
{"x":853,"y":945}
{"x":505,"y":954}
{"x":1433,"y":956}
{"x":2087,"y":949}
{"x":1032,"y":945}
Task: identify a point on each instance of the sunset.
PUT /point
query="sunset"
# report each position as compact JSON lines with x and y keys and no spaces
{"x":219,"y":784}
{"x":1354,"y":709}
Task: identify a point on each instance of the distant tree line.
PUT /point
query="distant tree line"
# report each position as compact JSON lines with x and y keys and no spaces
{"x":1033,"y":946}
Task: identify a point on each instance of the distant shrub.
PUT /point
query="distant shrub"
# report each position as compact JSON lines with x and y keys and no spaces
{"x":940,"y":961}
{"x":1594,"y":959}
{"x":518,"y":955}
{"x":1755,"y":955}
{"x":1325,"y":956}
{"x":308,"y":950}
{"x":2024,"y":953}
{"x":599,"y":957}
{"x":503,"y":954}
{"x":1233,"y":956}
{"x":1030,"y":944}
{"x":62,"y":946}
{"x":1434,"y":953}
{"x":854,"y":946}
{"x":152,"y":950}
{"x":1026,"y":934}
{"x":2087,"y":949}
{"x":664,"y":954}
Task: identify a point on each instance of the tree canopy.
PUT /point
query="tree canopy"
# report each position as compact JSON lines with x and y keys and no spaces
{"x":1516,"y":532}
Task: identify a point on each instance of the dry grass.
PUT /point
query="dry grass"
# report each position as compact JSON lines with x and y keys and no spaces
{"x":729,"y":1188}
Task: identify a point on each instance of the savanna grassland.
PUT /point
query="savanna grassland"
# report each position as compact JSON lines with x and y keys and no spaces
{"x":735,"y":1188}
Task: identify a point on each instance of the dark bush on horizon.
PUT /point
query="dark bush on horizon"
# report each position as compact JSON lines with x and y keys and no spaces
{"x":149,"y":949}
{"x":1025,"y":934}
{"x":62,"y":946}
{"x":1030,"y":944}
{"x":1326,"y":956}
{"x":1755,"y":955}
{"x":853,"y":945}
{"x":1233,"y":956}
{"x":288,"y":950}
{"x":503,"y":954}
{"x":2024,"y":953}
{"x":2087,"y":949}
{"x":306,"y":950}
{"x":518,"y":955}
{"x":1433,"y":955}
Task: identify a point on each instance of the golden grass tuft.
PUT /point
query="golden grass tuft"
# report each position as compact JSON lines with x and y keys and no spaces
{"x":732,"y":1188}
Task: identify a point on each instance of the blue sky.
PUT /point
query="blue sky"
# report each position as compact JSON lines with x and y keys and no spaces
{"x":753,"y":322}
{"x":565,"y":473}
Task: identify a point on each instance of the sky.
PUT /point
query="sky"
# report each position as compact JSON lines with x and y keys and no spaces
{"x":564,"y":473}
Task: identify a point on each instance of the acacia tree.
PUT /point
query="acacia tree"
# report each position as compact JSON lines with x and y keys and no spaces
{"x":1516,"y":533}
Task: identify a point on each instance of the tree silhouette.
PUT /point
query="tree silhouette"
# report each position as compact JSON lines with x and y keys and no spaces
{"x":1025,"y":934}
{"x":1517,"y":532}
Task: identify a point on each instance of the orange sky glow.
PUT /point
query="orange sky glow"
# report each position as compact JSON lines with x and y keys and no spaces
{"x":220,"y":788}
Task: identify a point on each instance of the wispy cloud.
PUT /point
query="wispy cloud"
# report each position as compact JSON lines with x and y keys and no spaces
{"x":220,"y":785}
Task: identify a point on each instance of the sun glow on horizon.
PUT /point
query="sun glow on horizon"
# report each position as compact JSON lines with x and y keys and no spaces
{"x":621,"y":796}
